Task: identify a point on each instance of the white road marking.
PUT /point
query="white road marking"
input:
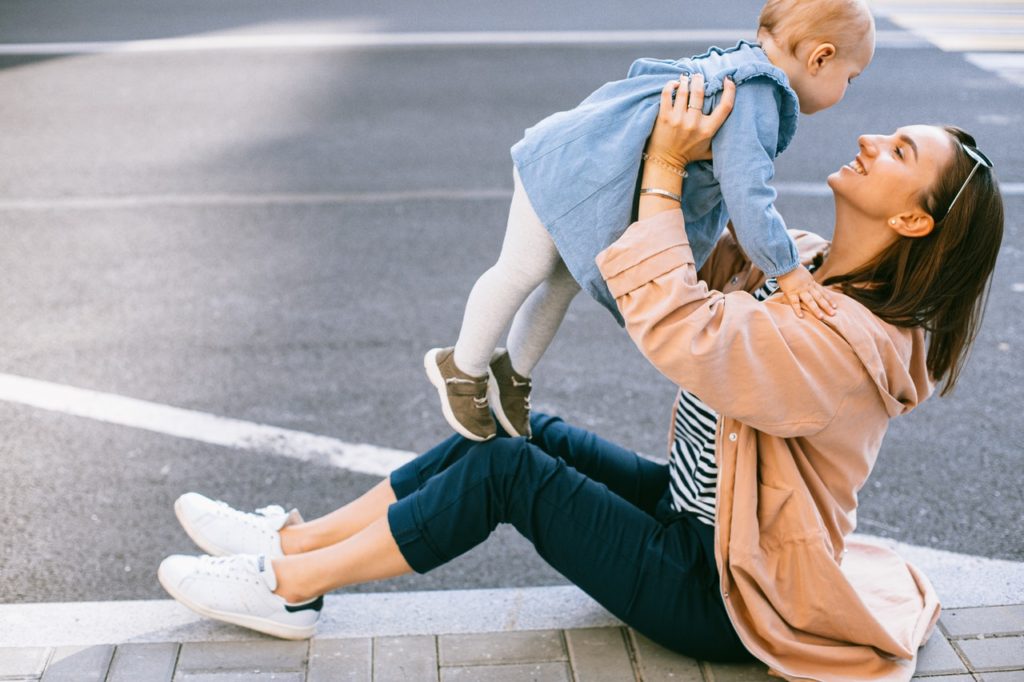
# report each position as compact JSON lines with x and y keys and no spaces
{"x":334,"y":41}
{"x":200,"y":426}
{"x":130,"y":201}
{"x":960,"y":580}
{"x":959,"y":25}
{"x":242,"y":199}
{"x":1009,"y":65}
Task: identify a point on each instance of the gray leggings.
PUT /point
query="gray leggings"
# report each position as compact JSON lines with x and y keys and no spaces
{"x":529,"y":287}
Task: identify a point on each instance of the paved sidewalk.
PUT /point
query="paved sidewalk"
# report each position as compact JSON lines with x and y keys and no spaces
{"x":982,"y":644}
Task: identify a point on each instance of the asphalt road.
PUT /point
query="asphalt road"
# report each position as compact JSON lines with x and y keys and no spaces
{"x":314,"y":315}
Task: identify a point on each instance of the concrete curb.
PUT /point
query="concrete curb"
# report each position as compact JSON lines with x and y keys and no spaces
{"x":348,"y":615}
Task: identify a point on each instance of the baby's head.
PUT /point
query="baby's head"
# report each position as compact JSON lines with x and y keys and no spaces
{"x":821,"y":45}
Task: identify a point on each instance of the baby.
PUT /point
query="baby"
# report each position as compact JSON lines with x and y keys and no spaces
{"x":576,"y":185}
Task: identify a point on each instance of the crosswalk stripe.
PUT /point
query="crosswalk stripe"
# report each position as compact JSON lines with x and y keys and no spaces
{"x":959,"y":26}
{"x":990,"y":33}
{"x":1010,"y":65}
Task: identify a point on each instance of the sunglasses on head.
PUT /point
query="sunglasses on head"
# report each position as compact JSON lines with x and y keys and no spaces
{"x":979,"y":160}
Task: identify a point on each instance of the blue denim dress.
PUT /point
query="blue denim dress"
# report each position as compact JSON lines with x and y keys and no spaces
{"x":580,"y":168}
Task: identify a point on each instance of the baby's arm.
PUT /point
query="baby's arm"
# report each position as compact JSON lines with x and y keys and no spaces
{"x":744,"y":164}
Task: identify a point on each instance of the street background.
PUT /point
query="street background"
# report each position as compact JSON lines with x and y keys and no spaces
{"x":277,"y":234}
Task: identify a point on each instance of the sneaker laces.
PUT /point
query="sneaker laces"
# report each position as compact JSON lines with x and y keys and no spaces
{"x":249,"y":518}
{"x":230,"y":566}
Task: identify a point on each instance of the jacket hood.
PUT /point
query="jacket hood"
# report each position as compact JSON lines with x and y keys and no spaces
{"x":894,"y":357}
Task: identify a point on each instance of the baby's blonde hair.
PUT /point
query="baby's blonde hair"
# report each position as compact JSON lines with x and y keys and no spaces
{"x":845,"y":23}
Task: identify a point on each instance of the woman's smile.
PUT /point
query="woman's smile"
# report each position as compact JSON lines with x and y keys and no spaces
{"x":856,"y":166}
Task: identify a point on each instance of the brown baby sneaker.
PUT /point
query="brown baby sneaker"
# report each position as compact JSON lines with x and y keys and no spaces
{"x":509,"y":394}
{"x":463,"y":397}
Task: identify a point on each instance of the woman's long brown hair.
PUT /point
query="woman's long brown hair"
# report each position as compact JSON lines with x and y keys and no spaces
{"x":940,"y":281}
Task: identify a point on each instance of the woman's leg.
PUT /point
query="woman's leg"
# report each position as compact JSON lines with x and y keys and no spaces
{"x":346,"y":521}
{"x":528,"y":257}
{"x":652,"y":576}
{"x":340,"y":524}
{"x":637,"y":480}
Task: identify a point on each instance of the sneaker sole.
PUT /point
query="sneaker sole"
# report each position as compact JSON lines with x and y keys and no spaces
{"x":196,"y":537}
{"x":494,"y":398}
{"x":434,"y":375}
{"x":268,"y":627}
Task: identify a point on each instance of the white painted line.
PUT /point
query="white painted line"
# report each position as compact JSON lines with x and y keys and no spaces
{"x":997,"y":60}
{"x":961,"y":581}
{"x":201,"y":427}
{"x":131,"y":201}
{"x":334,"y":41}
{"x":242,"y":199}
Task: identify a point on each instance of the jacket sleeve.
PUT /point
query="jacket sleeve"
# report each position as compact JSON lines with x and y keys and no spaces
{"x":744,"y":163}
{"x":754,"y":361}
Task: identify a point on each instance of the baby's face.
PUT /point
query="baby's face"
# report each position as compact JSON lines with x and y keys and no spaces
{"x":824,"y":88}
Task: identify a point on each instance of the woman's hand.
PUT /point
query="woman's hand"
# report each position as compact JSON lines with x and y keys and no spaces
{"x":682,"y":133}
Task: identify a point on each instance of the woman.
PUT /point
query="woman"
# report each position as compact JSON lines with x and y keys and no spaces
{"x":743,"y":553}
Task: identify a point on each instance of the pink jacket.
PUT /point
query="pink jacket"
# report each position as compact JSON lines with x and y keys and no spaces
{"x":805,"y":405}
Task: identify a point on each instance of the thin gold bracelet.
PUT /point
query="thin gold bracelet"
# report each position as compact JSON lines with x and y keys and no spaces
{"x":681,"y":172}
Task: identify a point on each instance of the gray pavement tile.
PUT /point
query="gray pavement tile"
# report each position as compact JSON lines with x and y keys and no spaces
{"x":738,"y":672}
{"x":501,"y":648}
{"x":340,"y":660}
{"x":657,"y":664}
{"x":149,"y":662}
{"x":599,"y":655}
{"x":79,"y":664}
{"x":1007,"y":676}
{"x":522,"y":672}
{"x":240,"y":677}
{"x":254,"y":656}
{"x":396,"y":659}
{"x":946,"y":678}
{"x":986,"y":620}
{"x":994,"y":652}
{"x":937,"y":657}
{"x":23,"y":661}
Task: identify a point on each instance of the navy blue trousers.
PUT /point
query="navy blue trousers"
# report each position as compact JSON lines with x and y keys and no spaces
{"x":597,"y":513}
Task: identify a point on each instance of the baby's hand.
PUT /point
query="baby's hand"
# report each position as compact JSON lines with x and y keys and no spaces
{"x":801,"y":290}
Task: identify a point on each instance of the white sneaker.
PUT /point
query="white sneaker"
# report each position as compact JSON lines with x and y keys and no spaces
{"x":238,"y":589}
{"x":221,"y":531}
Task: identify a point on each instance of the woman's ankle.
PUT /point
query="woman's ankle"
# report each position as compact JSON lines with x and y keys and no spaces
{"x":288,"y":587}
{"x":292,"y":540}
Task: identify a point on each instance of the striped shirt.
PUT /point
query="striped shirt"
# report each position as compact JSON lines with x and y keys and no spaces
{"x":691,"y":462}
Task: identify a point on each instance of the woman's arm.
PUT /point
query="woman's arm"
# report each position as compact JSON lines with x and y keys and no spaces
{"x":681,"y":134}
{"x":753,"y":361}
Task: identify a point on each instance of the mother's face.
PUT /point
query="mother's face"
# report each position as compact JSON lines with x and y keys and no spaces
{"x":891,"y":174}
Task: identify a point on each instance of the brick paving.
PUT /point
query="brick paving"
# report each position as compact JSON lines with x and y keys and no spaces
{"x":983,"y":644}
